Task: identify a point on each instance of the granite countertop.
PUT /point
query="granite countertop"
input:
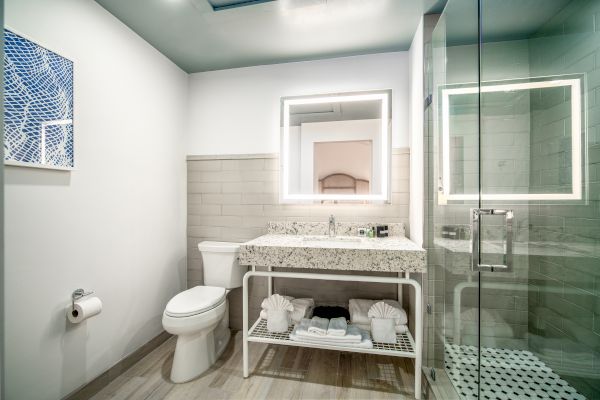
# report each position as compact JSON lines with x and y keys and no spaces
{"x":391,"y":254}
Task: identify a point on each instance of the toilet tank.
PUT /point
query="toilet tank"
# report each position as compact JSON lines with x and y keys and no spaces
{"x":220,"y":264}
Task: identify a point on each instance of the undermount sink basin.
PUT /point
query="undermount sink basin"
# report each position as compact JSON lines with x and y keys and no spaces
{"x":340,"y":239}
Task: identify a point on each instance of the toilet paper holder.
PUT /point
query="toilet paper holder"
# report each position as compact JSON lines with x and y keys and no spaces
{"x":78,"y":294}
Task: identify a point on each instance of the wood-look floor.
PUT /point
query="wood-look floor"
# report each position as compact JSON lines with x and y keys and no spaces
{"x":276,"y":372}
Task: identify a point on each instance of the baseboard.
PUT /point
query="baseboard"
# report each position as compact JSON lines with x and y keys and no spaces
{"x":90,"y":389}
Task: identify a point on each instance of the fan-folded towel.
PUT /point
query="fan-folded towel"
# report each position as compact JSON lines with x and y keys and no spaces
{"x":359,"y":309}
{"x":302,"y":309}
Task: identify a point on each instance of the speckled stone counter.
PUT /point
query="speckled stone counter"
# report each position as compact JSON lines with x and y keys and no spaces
{"x":322,"y":228}
{"x":302,"y":250}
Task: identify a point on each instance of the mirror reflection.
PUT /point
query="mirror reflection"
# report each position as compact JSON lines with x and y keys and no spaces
{"x":336,"y":147}
{"x":525,"y":146}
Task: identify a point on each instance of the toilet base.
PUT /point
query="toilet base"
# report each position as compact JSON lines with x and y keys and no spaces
{"x":222,"y":333}
{"x":194,"y":354}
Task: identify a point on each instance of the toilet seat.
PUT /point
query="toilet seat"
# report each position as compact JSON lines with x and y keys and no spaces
{"x":196,"y":300}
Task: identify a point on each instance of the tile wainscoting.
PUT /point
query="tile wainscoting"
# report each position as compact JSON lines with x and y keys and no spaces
{"x":232,"y":197}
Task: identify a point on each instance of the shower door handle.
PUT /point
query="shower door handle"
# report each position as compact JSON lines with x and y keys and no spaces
{"x":476,"y":214}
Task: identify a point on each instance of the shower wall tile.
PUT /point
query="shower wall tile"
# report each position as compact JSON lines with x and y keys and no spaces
{"x":563,"y":301}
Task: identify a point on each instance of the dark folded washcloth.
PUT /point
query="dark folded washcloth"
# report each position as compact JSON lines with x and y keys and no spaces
{"x":330,"y":312}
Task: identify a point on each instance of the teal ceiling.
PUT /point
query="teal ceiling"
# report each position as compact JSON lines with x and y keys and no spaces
{"x":197,"y":38}
{"x":501,"y":20}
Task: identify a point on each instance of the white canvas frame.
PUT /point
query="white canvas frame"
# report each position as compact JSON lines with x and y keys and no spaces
{"x":69,"y":57}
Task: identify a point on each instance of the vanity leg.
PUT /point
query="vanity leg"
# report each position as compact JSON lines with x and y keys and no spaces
{"x":400,"y":290}
{"x":418,"y":339}
{"x":245,"y":324}
{"x":270,"y":282}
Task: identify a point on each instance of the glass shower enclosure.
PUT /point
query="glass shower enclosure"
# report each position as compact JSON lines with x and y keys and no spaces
{"x":513,"y":190}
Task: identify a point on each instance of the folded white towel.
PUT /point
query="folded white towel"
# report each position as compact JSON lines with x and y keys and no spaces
{"x":399,"y":328}
{"x":353,"y":333}
{"x":278,"y":313}
{"x":278,"y":321}
{"x":359,"y":309}
{"x":365,"y":339}
{"x":318,"y":326}
{"x":383,"y":330}
{"x":337,"y":326}
{"x":302,"y":309}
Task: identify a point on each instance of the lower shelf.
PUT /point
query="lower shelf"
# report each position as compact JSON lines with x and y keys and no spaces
{"x":404,"y":346}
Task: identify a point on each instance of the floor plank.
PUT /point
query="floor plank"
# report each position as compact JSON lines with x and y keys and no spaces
{"x":277,"y":373}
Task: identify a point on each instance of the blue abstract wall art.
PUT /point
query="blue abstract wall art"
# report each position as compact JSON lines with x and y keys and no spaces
{"x":38,"y":105}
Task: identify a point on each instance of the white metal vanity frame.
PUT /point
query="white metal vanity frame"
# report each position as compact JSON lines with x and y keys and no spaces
{"x":405,"y":345}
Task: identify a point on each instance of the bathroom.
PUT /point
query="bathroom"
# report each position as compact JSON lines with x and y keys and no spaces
{"x":190,"y":160}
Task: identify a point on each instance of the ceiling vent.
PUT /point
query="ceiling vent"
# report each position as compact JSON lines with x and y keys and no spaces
{"x":219,"y":5}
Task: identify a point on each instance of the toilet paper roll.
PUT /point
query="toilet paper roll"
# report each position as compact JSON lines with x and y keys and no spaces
{"x":84,"y":309}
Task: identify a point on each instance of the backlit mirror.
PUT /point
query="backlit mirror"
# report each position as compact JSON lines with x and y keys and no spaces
{"x":336,"y":147}
{"x":528,"y":142}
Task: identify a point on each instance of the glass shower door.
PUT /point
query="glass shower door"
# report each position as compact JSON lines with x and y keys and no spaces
{"x":514,"y":219}
{"x":454,"y":182}
{"x":539,"y":319}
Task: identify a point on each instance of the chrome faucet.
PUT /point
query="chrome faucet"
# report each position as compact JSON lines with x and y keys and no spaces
{"x":332,"y":232}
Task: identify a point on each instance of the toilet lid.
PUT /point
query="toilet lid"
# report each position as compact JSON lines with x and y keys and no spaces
{"x":195,"y":301}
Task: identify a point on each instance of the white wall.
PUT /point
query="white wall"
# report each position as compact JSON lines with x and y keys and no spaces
{"x":237,"y":111}
{"x":116,"y":225}
{"x":2,"y":265}
{"x":416,"y":217}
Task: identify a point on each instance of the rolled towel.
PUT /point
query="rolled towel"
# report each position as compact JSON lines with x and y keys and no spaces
{"x":278,"y":313}
{"x":359,"y":309}
{"x":353,"y":333}
{"x":337,"y":327}
{"x":318,"y":326}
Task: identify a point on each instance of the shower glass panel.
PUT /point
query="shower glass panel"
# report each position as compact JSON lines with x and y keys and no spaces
{"x":546,"y":340}
{"x":517,"y":133}
{"x":453,"y":168}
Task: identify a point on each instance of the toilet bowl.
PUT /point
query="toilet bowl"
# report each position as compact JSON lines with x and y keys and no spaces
{"x":200,"y":316}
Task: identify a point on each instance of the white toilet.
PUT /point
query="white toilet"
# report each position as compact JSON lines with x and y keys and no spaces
{"x":199,"y":316}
